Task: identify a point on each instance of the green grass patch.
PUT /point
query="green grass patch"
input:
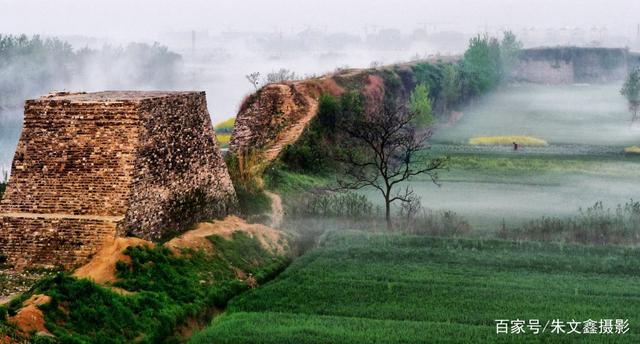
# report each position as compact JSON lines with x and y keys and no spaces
{"x":253,"y":203}
{"x":167,"y":289}
{"x":287,"y":182}
{"x":520,"y":164}
{"x":386,"y":288}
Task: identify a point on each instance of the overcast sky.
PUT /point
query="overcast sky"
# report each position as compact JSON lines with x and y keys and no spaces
{"x":148,"y":18}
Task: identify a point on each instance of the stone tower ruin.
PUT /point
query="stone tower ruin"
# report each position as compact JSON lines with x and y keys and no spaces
{"x":93,"y":166}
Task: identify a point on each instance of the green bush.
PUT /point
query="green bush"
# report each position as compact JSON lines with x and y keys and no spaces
{"x":245,"y":170}
{"x":311,"y":153}
{"x":481,"y":65}
{"x":331,"y":204}
{"x":314,"y":151}
{"x":420,"y":104}
{"x":430,"y":75}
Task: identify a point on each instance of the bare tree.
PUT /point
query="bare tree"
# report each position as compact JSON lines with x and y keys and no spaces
{"x":254,"y":79}
{"x":281,"y":75}
{"x":384,"y":149}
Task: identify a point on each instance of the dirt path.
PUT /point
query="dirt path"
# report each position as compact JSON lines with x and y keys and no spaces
{"x":102,"y":267}
{"x":291,"y":134}
{"x":277,"y":212}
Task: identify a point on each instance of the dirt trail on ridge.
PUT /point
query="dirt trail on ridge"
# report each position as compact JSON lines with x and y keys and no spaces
{"x":292,"y":133}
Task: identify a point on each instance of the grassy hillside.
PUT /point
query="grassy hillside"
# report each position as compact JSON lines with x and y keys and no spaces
{"x":157,"y":294}
{"x":388,"y":288}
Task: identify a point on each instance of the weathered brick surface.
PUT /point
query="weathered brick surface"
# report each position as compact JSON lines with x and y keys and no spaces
{"x":179,"y":179}
{"x":90,"y":166}
{"x":73,"y":158}
{"x":52,"y":242}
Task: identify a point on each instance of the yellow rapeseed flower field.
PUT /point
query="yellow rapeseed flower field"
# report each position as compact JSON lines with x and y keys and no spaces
{"x":507,"y":140}
{"x":632,"y":149}
{"x":224,"y":139}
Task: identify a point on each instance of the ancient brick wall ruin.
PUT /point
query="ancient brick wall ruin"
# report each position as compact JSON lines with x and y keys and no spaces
{"x":89,"y":167}
{"x":277,"y":114}
{"x":567,"y":65}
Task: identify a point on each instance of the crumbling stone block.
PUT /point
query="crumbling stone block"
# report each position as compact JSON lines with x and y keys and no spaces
{"x":92,"y":166}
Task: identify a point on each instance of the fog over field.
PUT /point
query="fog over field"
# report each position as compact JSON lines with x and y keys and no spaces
{"x":220,"y":42}
{"x":587,"y":128}
{"x":588,"y":114}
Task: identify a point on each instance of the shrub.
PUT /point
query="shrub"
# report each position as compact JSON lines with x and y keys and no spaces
{"x":313,"y":213}
{"x":313,"y":151}
{"x":281,"y":75}
{"x":420,"y":104}
{"x":245,"y":170}
{"x":331,"y":204}
{"x":437,"y":223}
{"x":430,"y":75}
{"x":594,"y":225}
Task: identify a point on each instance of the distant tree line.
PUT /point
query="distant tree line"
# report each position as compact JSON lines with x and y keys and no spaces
{"x":31,"y":66}
{"x":486,"y":63}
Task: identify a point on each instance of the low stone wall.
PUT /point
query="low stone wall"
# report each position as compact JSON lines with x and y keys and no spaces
{"x":544,"y":72}
{"x":566,"y":65}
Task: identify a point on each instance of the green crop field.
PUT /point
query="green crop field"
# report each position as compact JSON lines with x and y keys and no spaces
{"x":359,"y":287}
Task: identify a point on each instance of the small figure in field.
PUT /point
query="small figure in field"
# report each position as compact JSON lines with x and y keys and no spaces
{"x":515,"y":146}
